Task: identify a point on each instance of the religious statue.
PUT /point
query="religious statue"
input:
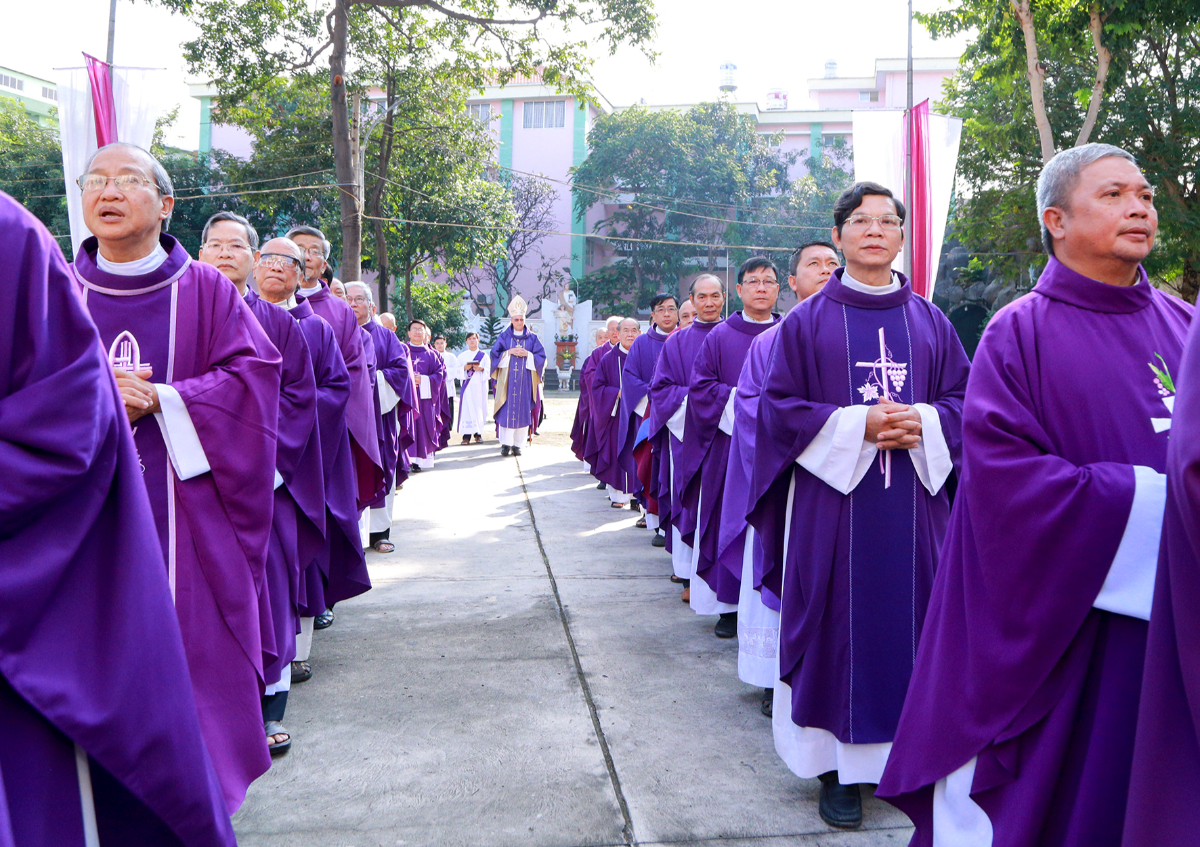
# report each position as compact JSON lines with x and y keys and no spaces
{"x":565,"y":314}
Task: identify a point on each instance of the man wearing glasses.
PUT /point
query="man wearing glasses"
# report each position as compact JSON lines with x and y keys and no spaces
{"x":360,"y":414}
{"x":711,"y":393}
{"x":859,"y":427}
{"x":200,"y":381}
{"x":230,"y":245}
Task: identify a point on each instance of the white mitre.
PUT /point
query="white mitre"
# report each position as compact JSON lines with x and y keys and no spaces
{"x":517,"y":307}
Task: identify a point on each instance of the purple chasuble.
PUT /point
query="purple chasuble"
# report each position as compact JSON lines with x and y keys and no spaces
{"x":360,"y":409}
{"x":516,"y":388}
{"x":298,"y":519}
{"x":859,"y":566}
{"x":1016,"y":668}
{"x":604,"y":436}
{"x":201,"y":338}
{"x":1165,"y":783}
{"x":735,"y":503}
{"x":668,"y":391}
{"x":427,"y":428}
{"x":90,"y":650}
{"x":635,"y":387}
{"x":706,"y":445}
{"x":340,"y":570}
{"x":579,"y":427}
{"x":394,"y":367}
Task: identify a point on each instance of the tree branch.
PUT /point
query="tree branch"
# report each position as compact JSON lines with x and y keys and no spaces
{"x":450,"y":13}
{"x":1103,"y":60}
{"x":1036,"y":74}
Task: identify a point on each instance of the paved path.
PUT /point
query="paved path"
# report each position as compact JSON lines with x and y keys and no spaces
{"x":524,"y":673}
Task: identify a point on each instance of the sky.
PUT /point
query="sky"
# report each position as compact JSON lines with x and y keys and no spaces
{"x":695,"y":37}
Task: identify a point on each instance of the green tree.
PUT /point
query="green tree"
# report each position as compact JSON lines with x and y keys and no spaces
{"x":440,"y":306}
{"x":31,"y":168}
{"x":676,"y":187}
{"x":245,"y":45}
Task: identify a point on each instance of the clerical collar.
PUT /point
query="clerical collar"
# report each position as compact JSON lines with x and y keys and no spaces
{"x":861,"y":287}
{"x":626,"y":349}
{"x":138,"y":267}
{"x":1058,"y":282}
{"x":750,"y":320}
{"x":519,"y":331}
{"x":307,"y":292}
{"x":698,"y":321}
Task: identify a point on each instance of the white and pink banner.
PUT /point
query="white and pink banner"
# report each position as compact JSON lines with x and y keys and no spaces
{"x":98,"y":105}
{"x":880,"y":147}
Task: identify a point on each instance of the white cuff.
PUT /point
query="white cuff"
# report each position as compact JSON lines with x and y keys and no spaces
{"x":840,"y":455}
{"x":278,"y":479}
{"x":641,"y":407}
{"x":388,"y":398}
{"x":726,"y":423}
{"x":179,"y":434}
{"x":676,"y":422}
{"x":931,"y":456}
{"x":616,"y":405}
{"x":1129,"y":587}
{"x":425,"y":390}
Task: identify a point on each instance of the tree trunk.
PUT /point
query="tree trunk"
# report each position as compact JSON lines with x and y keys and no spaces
{"x":1189,"y":280}
{"x":343,"y":156}
{"x":1103,"y":60}
{"x":408,"y":312}
{"x":1036,"y":75}
{"x":376,"y":200}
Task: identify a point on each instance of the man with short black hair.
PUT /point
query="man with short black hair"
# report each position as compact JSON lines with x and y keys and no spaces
{"x":1019,"y":724}
{"x":638,"y":450}
{"x":712,"y":390}
{"x":429,"y":374}
{"x":475,"y":367}
{"x":668,"y":414}
{"x":858,"y":431}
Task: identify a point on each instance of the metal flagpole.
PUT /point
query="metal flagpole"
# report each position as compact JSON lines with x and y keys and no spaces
{"x":112,"y":30}
{"x":908,"y":157}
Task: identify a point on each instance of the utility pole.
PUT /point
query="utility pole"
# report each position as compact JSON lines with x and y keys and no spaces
{"x":908,"y":156}
{"x":112,"y":30}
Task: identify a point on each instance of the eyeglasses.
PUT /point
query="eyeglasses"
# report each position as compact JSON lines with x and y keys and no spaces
{"x":279,"y":261}
{"x":358,"y":298}
{"x":318,"y":252}
{"x":759,"y":283}
{"x":886,"y":222}
{"x":221,"y":245}
{"x":123,"y":182}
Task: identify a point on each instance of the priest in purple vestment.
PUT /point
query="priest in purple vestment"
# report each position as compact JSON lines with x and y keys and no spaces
{"x":1165,"y":780}
{"x":668,"y":413}
{"x":99,"y":736}
{"x":637,"y":453}
{"x":738,"y":550}
{"x":858,"y":431}
{"x":1019,"y":724}
{"x":517,"y":359}
{"x":394,"y":400}
{"x":360,"y":412}
{"x":711,"y":394}
{"x":230,"y":244}
{"x":579,"y":427}
{"x":429,"y":374}
{"x":201,"y":386}
{"x":609,"y":423}
{"x":340,"y":569}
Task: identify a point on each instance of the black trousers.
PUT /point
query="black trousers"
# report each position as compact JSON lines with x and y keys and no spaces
{"x":274,"y":705}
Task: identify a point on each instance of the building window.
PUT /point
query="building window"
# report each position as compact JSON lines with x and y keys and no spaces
{"x":545,"y":114}
{"x":868,"y":96}
{"x":50,"y":93}
{"x":481,"y":112}
{"x":12,"y":82}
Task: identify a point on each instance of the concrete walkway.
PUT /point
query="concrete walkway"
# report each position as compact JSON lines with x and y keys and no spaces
{"x":524,"y":673}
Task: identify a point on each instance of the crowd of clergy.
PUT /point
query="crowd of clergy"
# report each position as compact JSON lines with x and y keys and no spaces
{"x":941,"y":573}
{"x":974,"y":585}
{"x":193,"y":449}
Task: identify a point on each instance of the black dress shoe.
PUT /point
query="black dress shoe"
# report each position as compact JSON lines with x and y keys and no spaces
{"x":504,"y":449}
{"x":516,"y":451}
{"x":323,"y":620}
{"x":727,"y":626}
{"x":414,"y":469}
{"x":659,"y":540}
{"x":840,"y":805}
{"x":599,"y":486}
{"x":768,"y":702}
